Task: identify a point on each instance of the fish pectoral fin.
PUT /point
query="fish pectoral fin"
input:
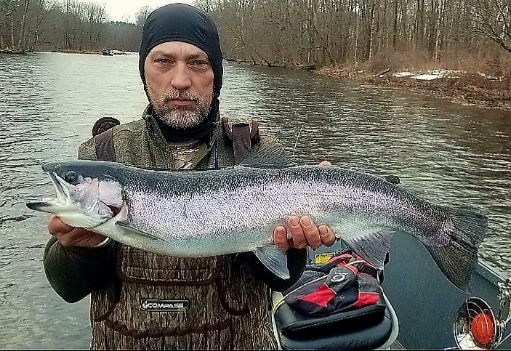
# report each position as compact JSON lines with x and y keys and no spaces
{"x":135,"y":231}
{"x":372,"y":244}
{"x":274,"y":259}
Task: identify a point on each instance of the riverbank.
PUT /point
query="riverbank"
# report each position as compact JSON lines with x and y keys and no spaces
{"x":14,"y":52}
{"x":464,"y":86}
{"x":470,"y":88}
{"x":110,"y":52}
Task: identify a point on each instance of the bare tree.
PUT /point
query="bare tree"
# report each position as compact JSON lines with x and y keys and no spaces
{"x":277,"y":32}
{"x":95,"y":15}
{"x":21,"y":39}
{"x":141,"y":15}
{"x":493,"y":20}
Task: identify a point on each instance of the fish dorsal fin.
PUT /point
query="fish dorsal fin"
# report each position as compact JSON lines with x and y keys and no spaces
{"x":268,"y":155}
{"x":392,"y":179}
{"x":273,"y":259}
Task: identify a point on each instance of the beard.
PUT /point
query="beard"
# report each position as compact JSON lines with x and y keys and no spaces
{"x":180,"y":117}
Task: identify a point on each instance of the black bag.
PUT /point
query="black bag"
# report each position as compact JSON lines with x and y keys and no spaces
{"x":340,"y":297}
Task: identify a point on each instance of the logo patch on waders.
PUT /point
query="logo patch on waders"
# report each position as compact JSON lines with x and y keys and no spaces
{"x":157,"y":305}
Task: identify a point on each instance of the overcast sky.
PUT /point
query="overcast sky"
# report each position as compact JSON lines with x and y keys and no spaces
{"x":122,"y":10}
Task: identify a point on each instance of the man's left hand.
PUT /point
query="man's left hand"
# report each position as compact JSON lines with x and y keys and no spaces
{"x":304,"y":232}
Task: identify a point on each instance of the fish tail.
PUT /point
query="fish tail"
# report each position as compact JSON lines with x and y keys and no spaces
{"x":466,"y":230}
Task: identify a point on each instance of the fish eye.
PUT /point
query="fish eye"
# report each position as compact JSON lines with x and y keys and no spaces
{"x":71,"y":177}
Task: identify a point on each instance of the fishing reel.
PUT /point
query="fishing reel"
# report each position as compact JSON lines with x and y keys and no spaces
{"x":476,"y":326}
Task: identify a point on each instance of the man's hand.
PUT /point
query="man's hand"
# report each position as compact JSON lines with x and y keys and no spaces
{"x":71,"y":236}
{"x":304,"y":232}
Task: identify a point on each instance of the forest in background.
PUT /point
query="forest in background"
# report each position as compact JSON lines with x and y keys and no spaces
{"x":303,"y":33}
{"x":65,"y":25}
{"x":372,"y":40}
{"x":316,"y":33}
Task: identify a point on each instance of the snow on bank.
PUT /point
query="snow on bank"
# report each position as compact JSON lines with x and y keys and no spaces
{"x":440,"y":73}
{"x":431,"y":74}
{"x":403,"y":74}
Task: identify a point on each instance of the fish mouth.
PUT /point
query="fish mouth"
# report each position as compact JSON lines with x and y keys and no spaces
{"x":39,"y":205}
{"x":63,"y":190}
{"x":80,"y":203}
{"x":62,"y":187}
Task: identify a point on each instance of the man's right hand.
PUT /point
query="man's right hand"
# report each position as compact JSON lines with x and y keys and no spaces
{"x":71,"y":236}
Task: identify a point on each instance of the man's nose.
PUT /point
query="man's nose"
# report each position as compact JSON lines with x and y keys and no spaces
{"x":181,"y":79}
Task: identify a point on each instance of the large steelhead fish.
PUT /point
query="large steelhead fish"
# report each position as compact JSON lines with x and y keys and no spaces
{"x":217,"y":212}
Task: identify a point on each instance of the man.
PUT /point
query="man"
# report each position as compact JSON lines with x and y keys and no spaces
{"x":142,"y":300}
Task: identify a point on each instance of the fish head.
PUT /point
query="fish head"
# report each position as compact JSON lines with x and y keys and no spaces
{"x":85,"y":197}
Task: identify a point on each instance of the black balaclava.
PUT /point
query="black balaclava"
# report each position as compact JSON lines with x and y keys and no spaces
{"x":184,"y":23}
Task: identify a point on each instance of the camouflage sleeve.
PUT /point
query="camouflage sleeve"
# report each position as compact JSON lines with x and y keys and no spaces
{"x":87,"y":151}
{"x":74,"y":272}
{"x":296,"y":260}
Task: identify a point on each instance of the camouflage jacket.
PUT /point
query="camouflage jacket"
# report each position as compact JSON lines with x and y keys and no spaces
{"x":143,"y":300}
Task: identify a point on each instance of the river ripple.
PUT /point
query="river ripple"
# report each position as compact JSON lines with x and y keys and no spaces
{"x":450,"y":154}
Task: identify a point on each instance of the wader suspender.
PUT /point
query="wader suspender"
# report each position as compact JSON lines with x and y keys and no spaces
{"x":105,"y":146}
{"x":243,"y":135}
{"x":103,"y":138}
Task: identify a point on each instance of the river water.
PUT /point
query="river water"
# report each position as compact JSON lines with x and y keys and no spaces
{"x":450,"y":154}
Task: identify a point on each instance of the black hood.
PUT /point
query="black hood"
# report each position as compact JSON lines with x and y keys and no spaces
{"x":184,"y":23}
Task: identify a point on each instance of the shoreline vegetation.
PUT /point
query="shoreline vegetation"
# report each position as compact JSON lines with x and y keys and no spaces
{"x":467,"y":87}
{"x":460,"y":50}
{"x":462,"y":86}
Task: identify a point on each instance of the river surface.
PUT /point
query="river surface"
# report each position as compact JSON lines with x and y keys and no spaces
{"x":450,"y":154}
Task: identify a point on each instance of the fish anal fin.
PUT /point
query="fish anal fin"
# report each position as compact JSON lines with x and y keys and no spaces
{"x":273,"y":259}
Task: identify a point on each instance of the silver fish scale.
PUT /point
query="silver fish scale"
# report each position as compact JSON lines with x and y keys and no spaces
{"x":208,"y":213}
{"x":234,"y":210}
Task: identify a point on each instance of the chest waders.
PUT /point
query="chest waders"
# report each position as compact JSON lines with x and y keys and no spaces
{"x":163,"y":302}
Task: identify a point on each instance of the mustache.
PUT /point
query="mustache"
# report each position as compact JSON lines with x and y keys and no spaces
{"x":181,"y":95}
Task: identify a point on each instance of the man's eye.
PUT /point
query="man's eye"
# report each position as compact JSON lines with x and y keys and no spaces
{"x":163,"y":61}
{"x":200,"y":63}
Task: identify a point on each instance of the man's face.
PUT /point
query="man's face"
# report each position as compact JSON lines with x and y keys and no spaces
{"x":179,"y":80}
